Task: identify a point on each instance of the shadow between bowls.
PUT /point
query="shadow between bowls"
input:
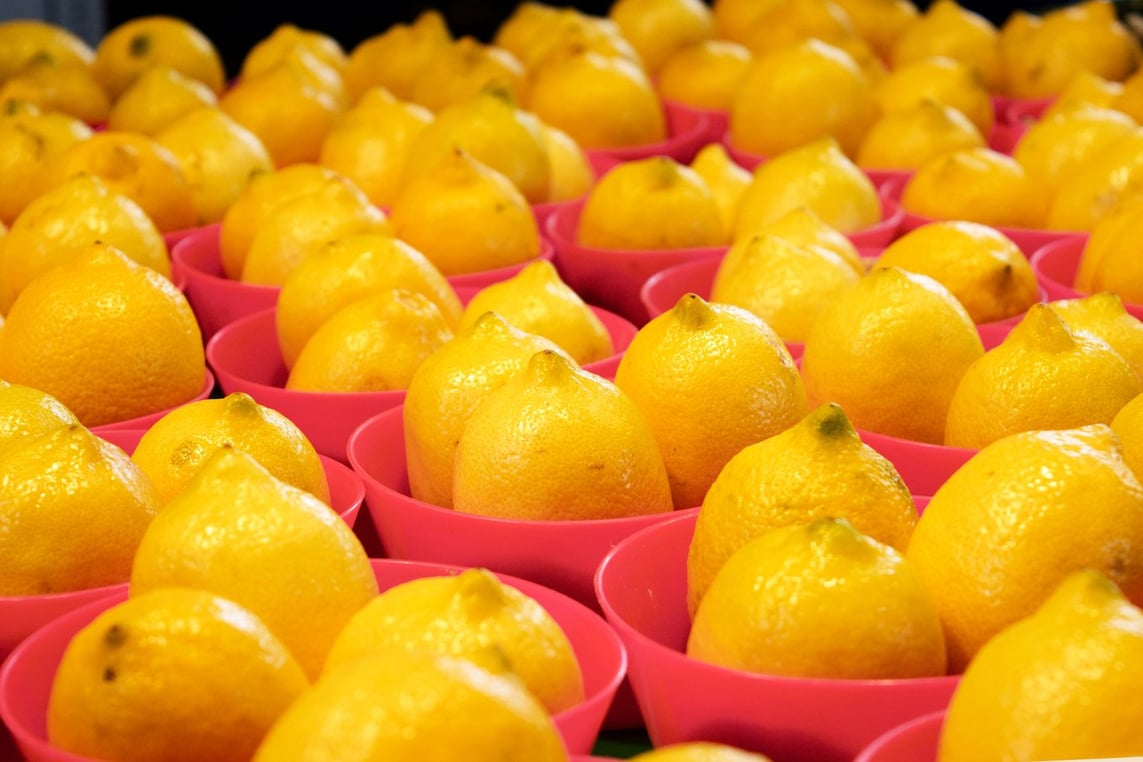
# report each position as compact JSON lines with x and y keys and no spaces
{"x":346,"y":490}
{"x":145,"y":421}
{"x":25,"y":679}
{"x":1055,"y":265}
{"x":914,"y":741}
{"x":218,"y":300}
{"x":687,"y":132}
{"x":641,"y":585}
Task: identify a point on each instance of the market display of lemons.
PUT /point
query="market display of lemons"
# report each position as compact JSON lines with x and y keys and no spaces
{"x":396,"y":193}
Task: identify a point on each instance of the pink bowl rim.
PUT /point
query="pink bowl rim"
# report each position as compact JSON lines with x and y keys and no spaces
{"x":871,"y":752}
{"x":601,"y":583}
{"x":353,"y":447}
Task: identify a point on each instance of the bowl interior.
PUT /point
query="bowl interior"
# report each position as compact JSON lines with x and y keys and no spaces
{"x":641,"y":586}
{"x":25,"y":679}
{"x":913,"y":741}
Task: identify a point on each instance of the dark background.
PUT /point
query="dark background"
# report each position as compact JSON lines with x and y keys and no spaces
{"x":235,"y":28}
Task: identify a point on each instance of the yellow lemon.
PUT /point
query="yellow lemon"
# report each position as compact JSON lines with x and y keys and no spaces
{"x":1099,"y":186}
{"x":784,"y":283}
{"x":286,"y":556}
{"x":652,"y":203}
{"x":657,"y":28}
{"x":911,"y":136}
{"x":26,"y":413}
{"x":536,"y":300}
{"x":447,"y":386}
{"x":1126,"y":97}
{"x":704,"y":74}
{"x":127,"y":50}
{"x":945,"y":80}
{"x":949,"y":29}
{"x":780,"y":604}
{"x":69,"y":320}
{"x":492,"y":129}
{"x":79,"y":212}
{"x":156,"y":98}
{"x":983,"y":268}
{"x":817,"y":175}
{"x":698,"y":372}
{"x":975,"y":184}
{"x":793,"y":21}
{"x":818,"y":88}
{"x":23,"y":39}
{"x":569,"y":30}
{"x":1016,"y":519}
{"x":1103,"y":315}
{"x":177,"y":445}
{"x":570,"y":174}
{"x":176,"y":674}
{"x":891,"y":350}
{"x":415,"y":706}
{"x":1085,"y":88}
{"x":556,"y":442}
{"x":1106,"y":263}
{"x":218,"y":155}
{"x":371,"y":344}
{"x":698,"y":751}
{"x":817,"y":468}
{"x":802,"y":225}
{"x":393,"y":58}
{"x":56,"y":86}
{"x":29,"y":141}
{"x":461,"y":69}
{"x":466,"y":217}
{"x":272,"y":49}
{"x":463,"y":615}
{"x":1128,"y":426}
{"x":75,"y":508}
{"x":601,"y":101}
{"x":349,"y":268}
{"x":726,"y":180}
{"x":370,"y":143}
{"x":1044,"y":375}
{"x":880,"y":22}
{"x":1058,"y":684}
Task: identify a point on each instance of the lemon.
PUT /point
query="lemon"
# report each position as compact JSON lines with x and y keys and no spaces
{"x":698,"y":751}
{"x":817,"y":468}
{"x":239,"y":532}
{"x":978,"y":185}
{"x":393,"y":57}
{"x":536,"y":300}
{"x":68,"y":88}
{"x":1044,"y":375}
{"x":949,"y":29}
{"x":177,"y":445}
{"x":818,"y":88}
{"x":781,"y":603}
{"x":710,"y":380}
{"x":704,"y":74}
{"x":793,"y":21}
{"x":29,"y":139}
{"x":947,"y":81}
{"x":802,"y":225}
{"x":657,"y":28}
{"x":651,"y":203}
{"x":22,"y":40}
{"x":1128,"y":426}
{"x":26,"y":413}
{"x":983,"y":268}
{"x":460,"y":69}
{"x":464,"y":615}
{"x":1018,"y":517}
{"x":786,"y":284}
{"x":726,"y":180}
{"x":175,"y":674}
{"x":556,"y":442}
{"x":570,"y":174}
{"x":880,"y":22}
{"x":816,"y":175}
{"x":415,"y":706}
{"x":130,"y":48}
{"x":891,"y":350}
{"x":1103,"y":315}
{"x":372,"y":344}
{"x":270,"y":50}
{"x":446,"y":388}
{"x":1056,"y":685}
{"x":1085,"y":88}
{"x":909,"y":137}
{"x":156,"y":98}
{"x":1098,"y":187}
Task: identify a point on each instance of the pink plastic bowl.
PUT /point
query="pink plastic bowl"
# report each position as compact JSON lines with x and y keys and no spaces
{"x":26,"y":677}
{"x":346,"y":490}
{"x":923,"y":467}
{"x":1023,"y":111}
{"x":1028,"y":239}
{"x":1055,"y":265}
{"x":717,"y":120}
{"x":145,"y":421}
{"x":687,"y":132}
{"x":416,"y":530}
{"x":218,"y":301}
{"x":246,"y":357}
{"x":641,"y":585}
{"x":20,"y":616}
{"x":914,"y":741}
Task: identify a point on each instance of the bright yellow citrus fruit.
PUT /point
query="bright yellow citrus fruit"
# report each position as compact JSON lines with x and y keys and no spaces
{"x":891,"y":350}
{"x":1016,"y":519}
{"x":1044,"y":375}
{"x":704,"y":74}
{"x":134,"y":46}
{"x":816,"y":468}
{"x":75,"y":508}
{"x":819,"y":600}
{"x":23,"y":39}
{"x":1100,"y":186}
{"x":176,"y":674}
{"x":570,"y":174}
{"x":1128,"y":426}
{"x":156,"y":98}
{"x":908,"y":138}
{"x":459,"y":70}
{"x":802,"y":225}
{"x":1084,"y":89}
{"x":287,"y":556}
{"x":698,"y":372}
{"x":65,"y":325}
{"x":976,"y":184}
{"x":727,"y":181}
{"x":949,"y":29}
{"x":657,"y":28}
{"x":52,"y":85}
{"x":272,"y":49}
{"x":698,"y":751}
{"x":462,"y":615}
{"x":945,"y":80}
{"x":1103,"y":315}
{"x":26,"y":413}
{"x":394,"y":57}
{"x":556,"y":442}
{"x":29,"y":141}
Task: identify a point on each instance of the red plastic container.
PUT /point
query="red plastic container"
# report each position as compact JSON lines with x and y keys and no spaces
{"x":687,"y":132}
{"x":1009,"y":110}
{"x":1055,"y":265}
{"x":717,"y":120}
{"x":218,"y":301}
{"x":346,"y":490}
{"x":145,"y":421}
{"x":914,"y":741}
{"x":20,"y":616}
{"x":641,"y":585}
{"x":25,"y":679}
